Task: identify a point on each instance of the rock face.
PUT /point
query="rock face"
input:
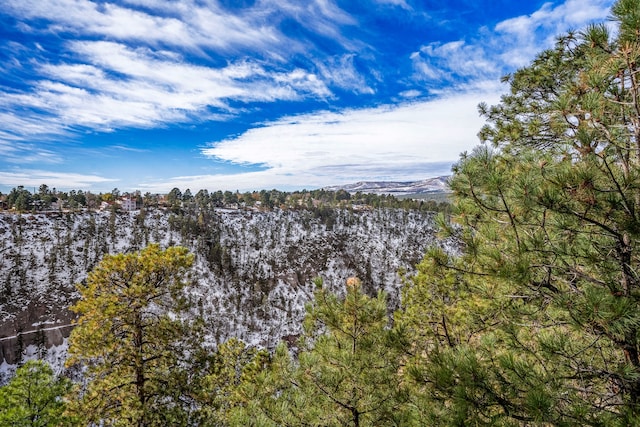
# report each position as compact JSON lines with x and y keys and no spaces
{"x":37,"y":325}
{"x":254,"y":270}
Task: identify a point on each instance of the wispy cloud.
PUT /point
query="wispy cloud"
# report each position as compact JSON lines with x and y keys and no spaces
{"x":183,"y":23}
{"x":60,"y":180}
{"x":87,"y":66}
{"x":512,"y":43}
{"x":341,"y":72}
{"x":121,"y":87}
{"x":453,"y":61}
{"x":130,"y":149}
{"x":373,"y":138}
{"x":400,"y":3}
{"x":156,"y":63}
{"x":195,"y":25}
{"x":148,"y":63}
{"x":16,"y":126}
{"x":16,"y":149}
{"x":523,"y":36}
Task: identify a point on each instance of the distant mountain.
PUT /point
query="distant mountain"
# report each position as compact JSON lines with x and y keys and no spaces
{"x":431,"y":185}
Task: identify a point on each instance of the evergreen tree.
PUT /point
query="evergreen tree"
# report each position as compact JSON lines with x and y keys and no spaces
{"x":175,"y":196}
{"x":347,"y":373}
{"x":131,"y":340}
{"x":33,"y":397}
{"x":217,"y":393}
{"x":539,"y":320}
{"x":20,"y":199}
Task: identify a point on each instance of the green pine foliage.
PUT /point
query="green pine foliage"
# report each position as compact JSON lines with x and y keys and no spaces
{"x":538,"y":321}
{"x":218,"y":394}
{"x":131,"y":340}
{"x":347,"y":370}
{"x":34,"y":397}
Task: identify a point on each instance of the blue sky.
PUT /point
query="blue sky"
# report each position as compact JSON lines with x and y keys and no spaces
{"x":246,"y":95}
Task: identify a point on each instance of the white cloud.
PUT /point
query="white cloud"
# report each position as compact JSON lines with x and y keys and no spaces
{"x":150,"y":89}
{"x":512,"y":43}
{"x":420,"y":132}
{"x":15,"y":146}
{"x":408,"y":142}
{"x":31,"y":154}
{"x":411,"y":93}
{"x":438,"y":61}
{"x":185,"y":23}
{"x":126,"y":148}
{"x":152,"y":63}
{"x":15,"y":127}
{"x":400,"y":3}
{"x":523,"y":36}
{"x":570,"y":14}
{"x":322,"y":17}
{"x":60,"y":180}
{"x":341,"y":72}
{"x":190,"y":24}
{"x":136,"y":74}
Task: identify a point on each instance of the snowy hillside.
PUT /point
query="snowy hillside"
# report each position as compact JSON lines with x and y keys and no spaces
{"x":431,"y":185}
{"x":254,"y":271}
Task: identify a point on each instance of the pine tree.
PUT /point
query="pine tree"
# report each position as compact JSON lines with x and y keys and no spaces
{"x":131,"y":340}
{"x":347,"y":373}
{"x":539,"y":320}
{"x":233,"y":365}
{"x":33,"y":397}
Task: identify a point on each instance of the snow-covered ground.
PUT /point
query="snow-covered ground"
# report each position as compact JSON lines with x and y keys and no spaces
{"x":254,"y":270}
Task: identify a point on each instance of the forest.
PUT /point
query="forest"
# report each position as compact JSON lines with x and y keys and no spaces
{"x":534,"y":322}
{"x":46,"y":199}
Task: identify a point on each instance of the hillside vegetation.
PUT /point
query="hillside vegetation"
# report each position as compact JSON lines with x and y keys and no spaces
{"x":253,"y":270}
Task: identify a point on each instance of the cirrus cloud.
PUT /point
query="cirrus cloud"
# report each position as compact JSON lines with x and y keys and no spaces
{"x":61,"y":180}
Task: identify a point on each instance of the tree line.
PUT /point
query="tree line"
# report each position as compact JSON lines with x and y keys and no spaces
{"x":45,"y":198}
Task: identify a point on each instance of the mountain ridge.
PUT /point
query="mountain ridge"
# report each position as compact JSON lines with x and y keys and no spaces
{"x":425,"y":186}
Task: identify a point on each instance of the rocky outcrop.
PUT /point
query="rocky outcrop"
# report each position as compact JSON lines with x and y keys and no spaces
{"x":37,"y":325}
